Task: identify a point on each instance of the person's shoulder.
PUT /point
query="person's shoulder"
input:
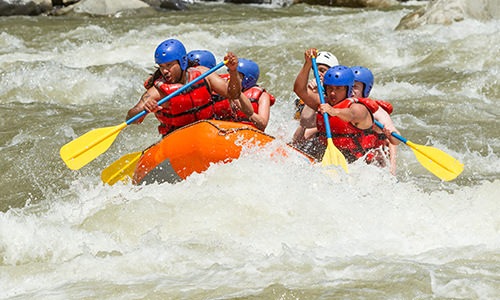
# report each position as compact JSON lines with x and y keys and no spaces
{"x":357,"y":103}
{"x":212,"y":76}
{"x":202,"y":69}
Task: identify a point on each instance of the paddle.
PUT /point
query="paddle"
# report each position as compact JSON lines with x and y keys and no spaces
{"x":332,"y":154}
{"x":121,"y":169}
{"x":86,"y":148}
{"x":436,"y":161}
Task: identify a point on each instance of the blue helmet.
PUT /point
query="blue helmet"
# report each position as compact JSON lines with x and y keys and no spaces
{"x":365,"y":76}
{"x":201,"y":58}
{"x":170,"y":50}
{"x":340,"y":76}
{"x":250,"y":71}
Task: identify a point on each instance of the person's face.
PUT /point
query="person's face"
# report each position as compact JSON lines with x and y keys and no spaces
{"x":358,"y":89}
{"x":335,"y":93}
{"x":171,"y":71}
{"x":322,"y":70}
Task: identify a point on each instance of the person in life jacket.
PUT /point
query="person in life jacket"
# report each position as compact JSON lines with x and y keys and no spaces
{"x":363,"y":83}
{"x":325,"y":61}
{"x":351,"y":119}
{"x":259,"y":99}
{"x":222,"y":108}
{"x":188,"y":107}
{"x":305,"y":137}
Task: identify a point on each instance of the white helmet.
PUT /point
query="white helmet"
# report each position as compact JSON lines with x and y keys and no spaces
{"x":326,"y":58}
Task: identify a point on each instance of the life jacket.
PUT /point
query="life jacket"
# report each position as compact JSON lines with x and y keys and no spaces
{"x":223,"y":110}
{"x":194,"y":104}
{"x":350,"y":140}
{"x":385,"y":105}
{"x":253,"y":94}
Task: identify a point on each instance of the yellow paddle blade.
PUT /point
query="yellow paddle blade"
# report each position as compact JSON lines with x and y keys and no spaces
{"x":122,"y":169}
{"x":437,"y":162}
{"x":333,"y":156}
{"x":86,"y":148}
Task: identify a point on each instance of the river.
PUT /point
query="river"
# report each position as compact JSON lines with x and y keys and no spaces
{"x":257,"y":228}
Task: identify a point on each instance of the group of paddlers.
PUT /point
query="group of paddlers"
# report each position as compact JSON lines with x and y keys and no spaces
{"x":235,"y":96}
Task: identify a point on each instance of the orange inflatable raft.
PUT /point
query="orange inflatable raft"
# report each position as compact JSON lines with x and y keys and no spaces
{"x":194,"y":148}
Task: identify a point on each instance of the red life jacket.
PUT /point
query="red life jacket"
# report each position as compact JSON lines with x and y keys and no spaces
{"x":350,"y":140}
{"x":222,"y":108}
{"x":253,"y":94}
{"x":192,"y":105}
{"x":385,"y":105}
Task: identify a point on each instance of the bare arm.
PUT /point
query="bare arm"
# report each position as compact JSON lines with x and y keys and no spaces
{"x":216,"y":83}
{"x":234,"y":93}
{"x":393,"y":152}
{"x":147,"y":102}
{"x":261,"y":118}
{"x":383,"y":117}
{"x":233,"y":86}
{"x":300,"y":87}
{"x":357,"y":114}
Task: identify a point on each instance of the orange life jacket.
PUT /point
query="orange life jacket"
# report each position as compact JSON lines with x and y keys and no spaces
{"x":192,"y":105}
{"x":350,"y":140}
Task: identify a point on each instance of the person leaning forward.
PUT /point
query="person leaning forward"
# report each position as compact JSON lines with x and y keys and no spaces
{"x":188,"y":107}
{"x":351,"y":121}
{"x":305,"y":137}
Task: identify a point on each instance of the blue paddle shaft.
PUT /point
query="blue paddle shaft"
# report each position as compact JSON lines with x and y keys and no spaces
{"x":179,"y":91}
{"x":321,"y":97}
{"x":394,"y":134}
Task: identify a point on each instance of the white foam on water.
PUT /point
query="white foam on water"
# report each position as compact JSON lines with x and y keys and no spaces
{"x":244,"y":226}
{"x":258,"y":215}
